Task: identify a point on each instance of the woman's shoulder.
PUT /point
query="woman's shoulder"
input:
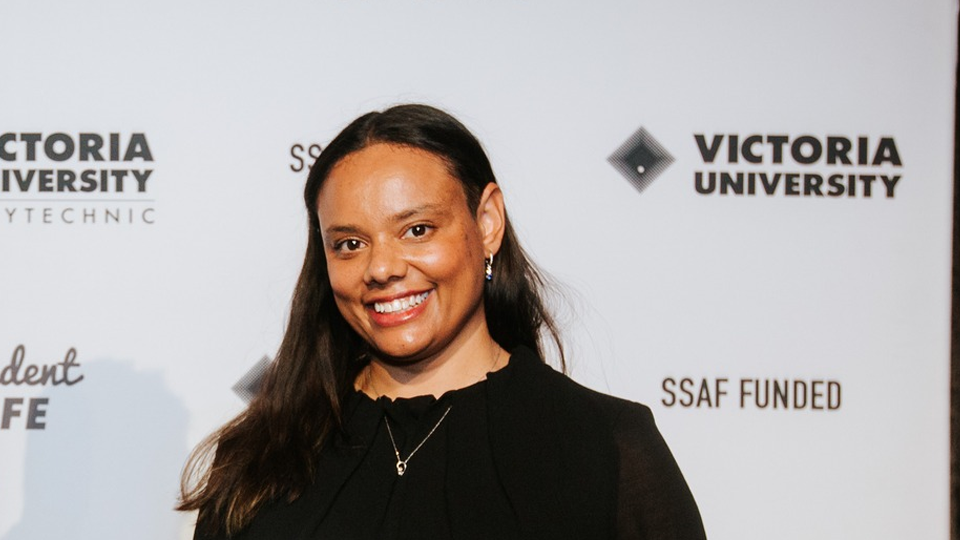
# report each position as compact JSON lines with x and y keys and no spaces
{"x":624,"y":466}
{"x":619,"y":412}
{"x":653,"y":498}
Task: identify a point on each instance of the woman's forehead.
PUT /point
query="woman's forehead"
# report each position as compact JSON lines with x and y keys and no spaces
{"x":388,"y":180}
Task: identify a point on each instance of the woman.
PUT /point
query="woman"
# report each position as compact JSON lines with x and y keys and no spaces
{"x":409,"y":398}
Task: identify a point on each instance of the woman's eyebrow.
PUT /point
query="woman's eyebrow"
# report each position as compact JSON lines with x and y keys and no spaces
{"x":399,"y":216}
{"x":346,"y":229}
{"x":417,"y":210}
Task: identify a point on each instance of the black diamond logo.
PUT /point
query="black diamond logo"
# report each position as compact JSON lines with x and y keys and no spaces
{"x":249,"y":384}
{"x":641,"y":159}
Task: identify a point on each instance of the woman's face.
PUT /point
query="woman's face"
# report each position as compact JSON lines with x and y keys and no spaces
{"x":404,"y":253}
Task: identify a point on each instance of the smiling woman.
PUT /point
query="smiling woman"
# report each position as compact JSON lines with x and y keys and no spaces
{"x":409,"y":398}
{"x":405,"y":256}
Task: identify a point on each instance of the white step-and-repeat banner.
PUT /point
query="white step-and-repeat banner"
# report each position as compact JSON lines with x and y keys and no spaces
{"x":748,"y":204}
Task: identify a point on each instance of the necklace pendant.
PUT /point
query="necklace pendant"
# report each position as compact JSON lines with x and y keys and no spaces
{"x":402,"y":463}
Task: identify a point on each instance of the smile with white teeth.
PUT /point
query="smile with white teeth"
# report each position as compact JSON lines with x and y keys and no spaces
{"x":400,"y":304}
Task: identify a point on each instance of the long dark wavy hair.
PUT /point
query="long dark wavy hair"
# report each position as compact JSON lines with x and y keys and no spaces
{"x":270,"y":451}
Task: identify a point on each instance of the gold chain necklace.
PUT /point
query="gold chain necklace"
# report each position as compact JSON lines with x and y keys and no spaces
{"x":402,"y":463}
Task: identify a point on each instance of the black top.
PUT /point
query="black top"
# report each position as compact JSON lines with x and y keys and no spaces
{"x":526,"y":453}
{"x":376,"y":502}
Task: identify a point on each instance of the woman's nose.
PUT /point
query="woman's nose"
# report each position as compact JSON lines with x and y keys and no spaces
{"x":386,"y":264}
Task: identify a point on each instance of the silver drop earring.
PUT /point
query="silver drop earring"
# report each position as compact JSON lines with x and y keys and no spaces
{"x":488,"y":268}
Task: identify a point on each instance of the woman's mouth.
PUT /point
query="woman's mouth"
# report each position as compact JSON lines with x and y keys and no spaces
{"x":400,"y":304}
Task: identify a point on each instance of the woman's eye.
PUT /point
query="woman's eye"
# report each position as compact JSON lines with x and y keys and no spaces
{"x":418,"y":230}
{"x":350,"y":244}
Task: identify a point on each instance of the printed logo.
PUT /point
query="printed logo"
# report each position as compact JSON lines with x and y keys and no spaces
{"x":757,"y":393}
{"x":248,"y":385}
{"x":89,"y":179}
{"x":807,"y":166}
{"x":30,"y":413}
{"x":303,"y":156}
{"x":773,"y":165}
{"x":641,"y":159}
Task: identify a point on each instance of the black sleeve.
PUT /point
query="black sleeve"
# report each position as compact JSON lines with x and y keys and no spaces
{"x":654,"y":502}
{"x":201,"y":533}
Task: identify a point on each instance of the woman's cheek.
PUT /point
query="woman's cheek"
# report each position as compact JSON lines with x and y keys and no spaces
{"x":346,"y":279}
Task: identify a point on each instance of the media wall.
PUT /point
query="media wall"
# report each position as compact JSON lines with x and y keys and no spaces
{"x":748,"y":205}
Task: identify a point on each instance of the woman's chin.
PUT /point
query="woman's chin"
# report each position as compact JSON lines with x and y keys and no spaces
{"x":400,"y":353}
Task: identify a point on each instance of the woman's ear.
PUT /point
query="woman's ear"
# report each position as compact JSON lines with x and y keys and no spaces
{"x":492,"y":218}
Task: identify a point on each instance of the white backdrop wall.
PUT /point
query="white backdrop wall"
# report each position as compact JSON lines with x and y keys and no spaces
{"x":169,"y":289}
